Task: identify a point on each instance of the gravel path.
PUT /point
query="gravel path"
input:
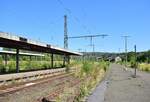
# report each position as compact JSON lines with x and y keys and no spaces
{"x":122,"y":87}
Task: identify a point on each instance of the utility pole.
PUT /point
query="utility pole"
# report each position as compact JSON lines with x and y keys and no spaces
{"x":93,"y":47}
{"x":135,"y":61}
{"x":65,"y":38}
{"x":126,"y":58}
{"x":65,"y":33}
{"x":87,"y":36}
{"x":93,"y":54}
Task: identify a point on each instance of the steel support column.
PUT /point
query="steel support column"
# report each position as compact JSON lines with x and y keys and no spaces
{"x":65,"y":60}
{"x":17,"y":60}
{"x":68,"y":59}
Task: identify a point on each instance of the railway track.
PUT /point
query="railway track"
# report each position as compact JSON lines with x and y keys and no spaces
{"x":73,"y":84}
{"x":12,"y":89}
{"x":58,"y":85}
{"x":60,"y":89}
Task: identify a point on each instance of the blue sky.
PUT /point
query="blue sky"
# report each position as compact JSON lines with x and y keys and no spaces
{"x":43,"y":20}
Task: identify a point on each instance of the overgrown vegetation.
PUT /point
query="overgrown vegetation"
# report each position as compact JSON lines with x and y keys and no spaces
{"x":28,"y":65}
{"x":28,"y":62}
{"x":144,"y":67}
{"x":142,"y":62}
{"x":2,"y":68}
{"x":91,"y":73}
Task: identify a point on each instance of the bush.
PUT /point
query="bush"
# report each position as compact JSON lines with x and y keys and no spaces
{"x":144,"y":67}
{"x":104,"y":65}
{"x":86,"y":67}
{"x":67,"y":68}
{"x":11,"y":66}
{"x":2,"y":67}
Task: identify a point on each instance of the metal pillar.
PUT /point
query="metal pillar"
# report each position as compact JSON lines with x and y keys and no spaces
{"x":65,"y":38}
{"x":126,"y":51}
{"x":93,"y":51}
{"x":17,"y":60}
{"x":52,"y":60}
{"x":68,"y":59}
{"x":64,"y":61}
{"x":65,"y":33}
{"x":135,"y":61}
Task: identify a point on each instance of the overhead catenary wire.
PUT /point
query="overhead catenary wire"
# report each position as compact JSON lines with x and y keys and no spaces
{"x":91,"y":38}
{"x":82,"y":25}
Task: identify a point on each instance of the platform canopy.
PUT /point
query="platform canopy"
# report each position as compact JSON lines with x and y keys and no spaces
{"x":11,"y":41}
{"x":22,"y":53}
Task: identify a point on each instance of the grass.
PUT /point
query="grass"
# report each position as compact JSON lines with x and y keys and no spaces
{"x":89,"y":71}
{"x":34,"y":65}
{"x":144,"y":67}
{"x":27,"y":65}
{"x":92,"y":73}
{"x":140,"y":66}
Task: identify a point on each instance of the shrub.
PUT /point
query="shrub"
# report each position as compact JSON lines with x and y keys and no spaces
{"x":67,"y":68}
{"x":86,"y":67}
{"x":144,"y":67}
{"x":11,"y":66}
{"x":2,"y":67}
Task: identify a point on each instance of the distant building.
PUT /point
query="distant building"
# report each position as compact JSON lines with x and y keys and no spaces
{"x":118,"y":59}
{"x":99,"y":58}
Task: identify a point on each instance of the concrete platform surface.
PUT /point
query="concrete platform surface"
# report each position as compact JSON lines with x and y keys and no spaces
{"x":6,"y":77}
{"x":122,"y":87}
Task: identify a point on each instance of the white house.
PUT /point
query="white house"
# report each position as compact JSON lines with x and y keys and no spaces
{"x":118,"y":59}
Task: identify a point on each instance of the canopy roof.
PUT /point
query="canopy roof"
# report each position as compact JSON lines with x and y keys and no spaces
{"x":11,"y":41}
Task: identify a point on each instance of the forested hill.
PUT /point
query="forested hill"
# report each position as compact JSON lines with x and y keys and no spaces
{"x":141,"y":56}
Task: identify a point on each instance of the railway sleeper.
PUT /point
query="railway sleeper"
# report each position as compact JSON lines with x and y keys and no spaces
{"x":51,"y":97}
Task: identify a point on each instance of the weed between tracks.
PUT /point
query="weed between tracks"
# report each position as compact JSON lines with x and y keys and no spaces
{"x":88,"y":75}
{"x":70,"y":88}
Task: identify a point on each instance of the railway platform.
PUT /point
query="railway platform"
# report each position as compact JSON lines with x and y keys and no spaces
{"x":7,"y":78}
